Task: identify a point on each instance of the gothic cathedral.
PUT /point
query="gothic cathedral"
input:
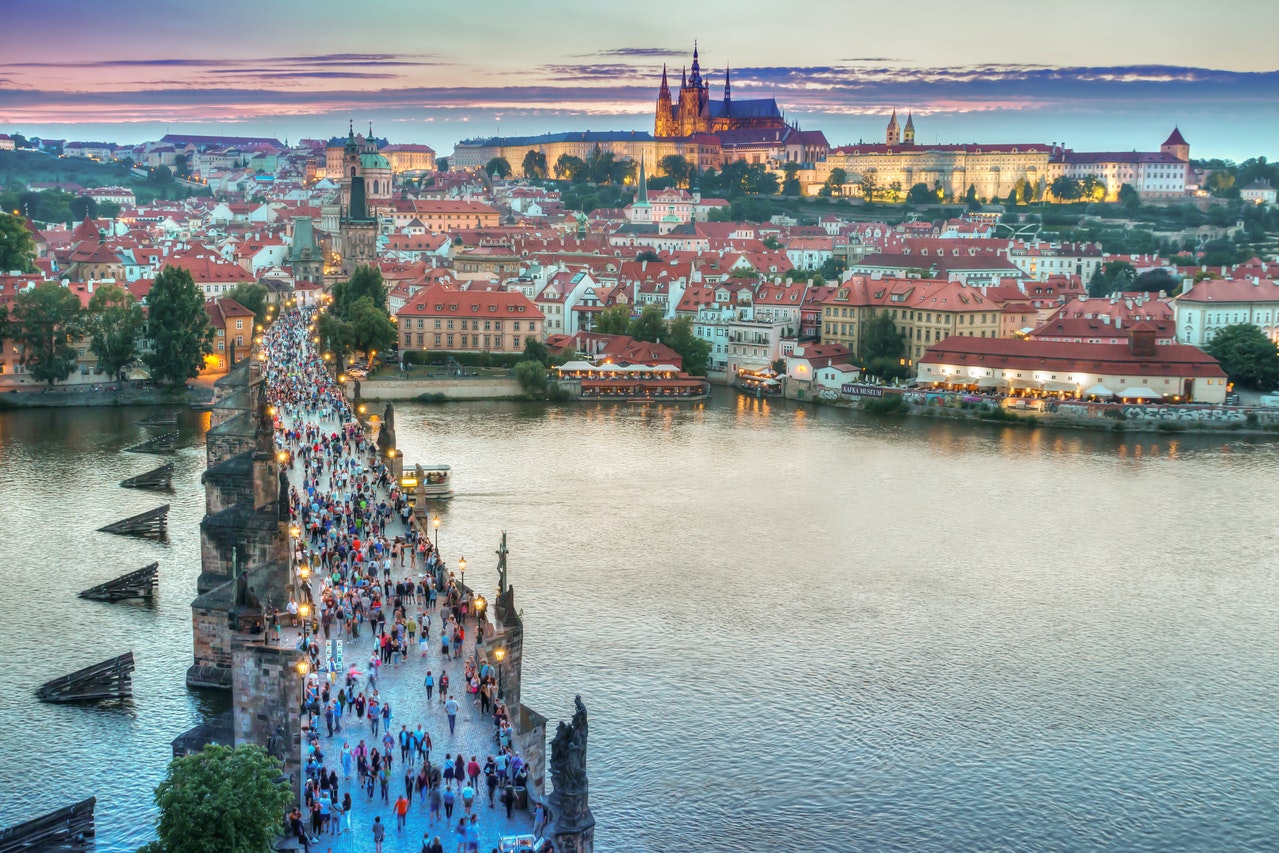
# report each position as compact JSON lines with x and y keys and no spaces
{"x":697,"y":113}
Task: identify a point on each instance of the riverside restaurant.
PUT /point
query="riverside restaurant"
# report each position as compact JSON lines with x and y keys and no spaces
{"x":633,"y":381}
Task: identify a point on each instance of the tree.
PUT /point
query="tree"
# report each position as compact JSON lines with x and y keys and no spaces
{"x":160,"y":176}
{"x":531,"y":374}
{"x":613,"y":321}
{"x":695,"y":351}
{"x":970,"y":198}
{"x":649,"y":325}
{"x":499,"y":168}
{"x":534,"y":165}
{"x":790,"y":184}
{"x":1154,"y":281}
{"x":44,"y":322}
{"x":535,"y":350}
{"x":869,"y":185}
{"x":1220,"y":183}
{"x":676,"y":168}
{"x":1247,"y":355}
{"x":221,"y":798}
{"x":441,"y":164}
{"x":1065,"y":188}
{"x":17,"y":247}
{"x":883,"y":347}
{"x":648,"y":255}
{"x":115,"y":321}
{"x":836,"y":179}
{"x":895,"y":191}
{"x":180,"y":331}
{"x":1098,"y":285}
{"x":570,"y":168}
{"x":365,"y":281}
{"x":920,"y":194}
{"x":599,"y":165}
{"x":1220,"y":253}
{"x":1129,"y":198}
{"x":371,"y":328}
{"x":251,"y":295}
{"x":83,"y":207}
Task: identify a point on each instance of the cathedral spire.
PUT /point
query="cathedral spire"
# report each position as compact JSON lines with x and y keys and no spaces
{"x":695,"y":75}
{"x":641,"y":195}
{"x":683,"y":78}
{"x":728,"y":84}
{"x":665,"y":89}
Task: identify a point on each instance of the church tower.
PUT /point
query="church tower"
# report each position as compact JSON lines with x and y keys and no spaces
{"x":908,"y":137}
{"x":894,"y":134}
{"x":664,"y":122}
{"x":1176,"y":146}
{"x":358,"y":231}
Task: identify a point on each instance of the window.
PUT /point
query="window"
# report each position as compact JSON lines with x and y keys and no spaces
{"x":437,"y":325}
{"x":437,"y":340}
{"x":450,"y":324}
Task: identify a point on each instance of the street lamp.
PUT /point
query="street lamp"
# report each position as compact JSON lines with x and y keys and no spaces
{"x":499,"y":655}
{"x":435,"y":522}
{"x":461,"y":567}
{"x":480,"y":604}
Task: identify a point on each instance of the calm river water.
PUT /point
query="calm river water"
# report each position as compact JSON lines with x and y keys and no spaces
{"x":795,"y":629}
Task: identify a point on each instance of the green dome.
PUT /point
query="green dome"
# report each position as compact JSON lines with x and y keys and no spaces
{"x":374,"y":161}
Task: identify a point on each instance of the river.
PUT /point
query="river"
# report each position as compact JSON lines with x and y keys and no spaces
{"x":794,"y":628}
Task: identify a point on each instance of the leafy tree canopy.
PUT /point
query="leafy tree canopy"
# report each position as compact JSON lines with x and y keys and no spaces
{"x":221,"y":799}
{"x":44,"y":320}
{"x":1247,"y":355}
{"x":115,"y":321}
{"x":17,"y":247}
{"x":181,"y":334}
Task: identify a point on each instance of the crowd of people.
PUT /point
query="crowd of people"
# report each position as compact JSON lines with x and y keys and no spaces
{"x":367,"y":573}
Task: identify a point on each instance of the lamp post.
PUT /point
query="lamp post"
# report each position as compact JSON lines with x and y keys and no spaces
{"x":499,"y":655}
{"x":435,"y":522}
{"x":461,"y":567}
{"x":480,"y":605}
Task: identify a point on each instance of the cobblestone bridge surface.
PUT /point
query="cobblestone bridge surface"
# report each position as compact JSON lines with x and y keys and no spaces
{"x":401,"y":684}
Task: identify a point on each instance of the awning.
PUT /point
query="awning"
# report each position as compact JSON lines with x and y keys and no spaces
{"x":1055,"y":385}
{"x":1141,"y":392}
{"x":989,"y":382}
{"x":959,"y":379}
{"x":1099,"y":390}
{"x":1022,"y":383}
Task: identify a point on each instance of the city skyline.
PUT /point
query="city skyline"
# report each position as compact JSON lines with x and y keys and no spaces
{"x":1125,"y":77}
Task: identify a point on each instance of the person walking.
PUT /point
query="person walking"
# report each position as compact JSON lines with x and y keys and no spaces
{"x":450,"y":708}
{"x":428,"y":682}
{"x":401,"y":812}
{"x":468,"y":799}
{"x":447,"y":796}
{"x":379,"y":833}
{"x":435,"y":800}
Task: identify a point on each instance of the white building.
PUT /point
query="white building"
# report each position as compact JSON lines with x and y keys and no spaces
{"x":1214,"y":303}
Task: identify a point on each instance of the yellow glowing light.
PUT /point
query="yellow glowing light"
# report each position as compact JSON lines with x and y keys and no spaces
{"x":500,"y":653}
{"x":303,"y":667}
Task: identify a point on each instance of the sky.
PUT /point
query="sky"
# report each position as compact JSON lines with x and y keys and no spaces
{"x":1097,"y":75}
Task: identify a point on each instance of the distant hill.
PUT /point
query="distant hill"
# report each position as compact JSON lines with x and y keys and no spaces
{"x":20,"y":169}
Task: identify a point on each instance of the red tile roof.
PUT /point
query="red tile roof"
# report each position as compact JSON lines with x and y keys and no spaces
{"x":1017,"y":354}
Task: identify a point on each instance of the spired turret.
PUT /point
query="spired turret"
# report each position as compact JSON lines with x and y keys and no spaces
{"x":894,"y":134}
{"x":908,"y":137}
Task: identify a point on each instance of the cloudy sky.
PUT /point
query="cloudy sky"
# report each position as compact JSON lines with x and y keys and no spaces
{"x":1095,"y":74}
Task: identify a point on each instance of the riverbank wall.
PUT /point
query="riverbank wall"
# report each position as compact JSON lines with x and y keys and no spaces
{"x":87,"y":396}
{"x":438,"y":390}
{"x":1069,"y":413}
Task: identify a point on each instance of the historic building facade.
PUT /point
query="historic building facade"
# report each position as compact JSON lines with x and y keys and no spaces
{"x":692,"y":110}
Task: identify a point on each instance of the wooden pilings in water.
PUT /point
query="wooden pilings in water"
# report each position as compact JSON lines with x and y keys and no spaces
{"x":153,"y":523}
{"x":156,"y":478}
{"x":139,"y":583}
{"x":68,"y":829}
{"x":164,"y":443}
{"x":110,"y":679}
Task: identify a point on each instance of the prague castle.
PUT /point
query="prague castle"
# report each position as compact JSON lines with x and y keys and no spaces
{"x":695,"y":112}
